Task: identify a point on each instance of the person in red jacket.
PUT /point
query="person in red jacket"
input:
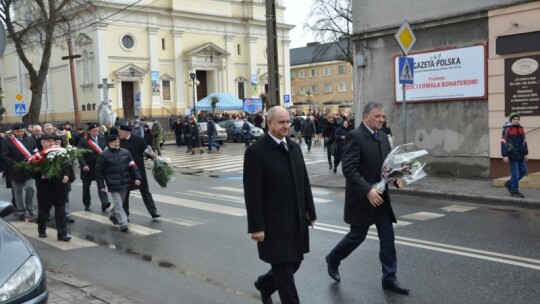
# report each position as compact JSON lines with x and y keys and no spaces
{"x":514,"y":151}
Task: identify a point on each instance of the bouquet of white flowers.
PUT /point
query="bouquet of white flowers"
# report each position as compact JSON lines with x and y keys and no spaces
{"x":163,"y":172}
{"x":401,"y":163}
{"x":50,"y":162}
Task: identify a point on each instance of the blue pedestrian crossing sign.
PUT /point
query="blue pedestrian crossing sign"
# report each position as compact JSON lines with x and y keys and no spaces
{"x":20,"y":108}
{"x":406,"y":70}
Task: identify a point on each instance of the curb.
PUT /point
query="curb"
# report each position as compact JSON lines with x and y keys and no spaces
{"x":87,"y":288}
{"x":472,"y":198}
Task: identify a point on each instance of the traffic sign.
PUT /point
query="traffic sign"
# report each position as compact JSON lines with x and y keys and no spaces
{"x":406,"y":70}
{"x":287,"y":98}
{"x":405,"y":37}
{"x":19,"y":97}
{"x":20,"y":108}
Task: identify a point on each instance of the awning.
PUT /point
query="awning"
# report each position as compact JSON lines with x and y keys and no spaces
{"x":226,"y":102}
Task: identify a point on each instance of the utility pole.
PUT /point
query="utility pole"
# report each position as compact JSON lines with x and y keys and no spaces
{"x":273,"y":63}
{"x":73,"y":81}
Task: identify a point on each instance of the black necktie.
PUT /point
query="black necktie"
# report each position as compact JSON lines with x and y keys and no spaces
{"x":376,"y":136}
{"x":282,"y":146}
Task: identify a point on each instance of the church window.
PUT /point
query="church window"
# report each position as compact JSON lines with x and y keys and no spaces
{"x":128,"y":42}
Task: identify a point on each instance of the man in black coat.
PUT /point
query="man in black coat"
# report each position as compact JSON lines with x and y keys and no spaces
{"x":365,"y":150}
{"x":178,"y":128}
{"x":136,"y":146}
{"x":95,"y":143}
{"x":17,"y":148}
{"x":279,"y":206}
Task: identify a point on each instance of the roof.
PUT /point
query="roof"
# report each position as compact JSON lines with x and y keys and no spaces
{"x":226,"y":102}
{"x":316,"y":52}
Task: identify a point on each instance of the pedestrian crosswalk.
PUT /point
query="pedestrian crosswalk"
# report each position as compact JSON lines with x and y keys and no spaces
{"x":221,"y":161}
{"x":226,"y":201}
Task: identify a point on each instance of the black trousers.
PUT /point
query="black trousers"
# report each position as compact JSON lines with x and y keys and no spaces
{"x":178,"y":139}
{"x":281,"y":278}
{"x":147,"y":199}
{"x":86,"y":198}
{"x":44,"y":207}
{"x":308,"y":141}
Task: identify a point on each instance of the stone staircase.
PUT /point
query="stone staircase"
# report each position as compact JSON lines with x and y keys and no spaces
{"x":532,"y":180}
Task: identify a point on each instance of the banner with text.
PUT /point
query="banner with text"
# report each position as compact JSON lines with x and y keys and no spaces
{"x":445,"y":75}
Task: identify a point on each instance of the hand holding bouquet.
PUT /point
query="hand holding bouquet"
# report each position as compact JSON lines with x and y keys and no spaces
{"x":400,"y":164}
{"x":51,"y":161}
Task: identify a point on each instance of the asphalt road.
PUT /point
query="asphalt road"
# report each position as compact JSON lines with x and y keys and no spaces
{"x":200,"y":252}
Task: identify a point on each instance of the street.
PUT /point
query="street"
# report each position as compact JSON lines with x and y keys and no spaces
{"x":199,"y":250}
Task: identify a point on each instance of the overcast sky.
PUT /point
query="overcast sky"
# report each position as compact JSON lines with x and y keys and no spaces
{"x":296,"y":13}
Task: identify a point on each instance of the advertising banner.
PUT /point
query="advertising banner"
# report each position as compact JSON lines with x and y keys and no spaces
{"x":252,"y":105}
{"x":445,"y":75}
{"x":155,"y":84}
{"x":522,"y":85}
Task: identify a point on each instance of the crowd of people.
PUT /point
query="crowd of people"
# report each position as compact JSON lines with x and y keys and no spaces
{"x":112,"y":157}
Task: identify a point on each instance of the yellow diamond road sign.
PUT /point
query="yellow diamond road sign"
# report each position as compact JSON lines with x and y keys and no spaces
{"x":19,"y":97}
{"x":405,"y":37}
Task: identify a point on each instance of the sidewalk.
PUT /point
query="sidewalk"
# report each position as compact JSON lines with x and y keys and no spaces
{"x":471,"y":190}
{"x":64,"y":289}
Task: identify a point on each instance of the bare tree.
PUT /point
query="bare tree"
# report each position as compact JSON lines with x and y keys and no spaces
{"x":331,"y":24}
{"x":34,"y":26}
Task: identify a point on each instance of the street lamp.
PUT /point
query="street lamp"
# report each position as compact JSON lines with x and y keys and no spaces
{"x":194,"y":82}
{"x":308,"y":93}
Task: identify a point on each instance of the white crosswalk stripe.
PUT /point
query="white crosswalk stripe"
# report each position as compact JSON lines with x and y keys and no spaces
{"x":30,"y":230}
{"x":218,"y":161}
{"x":133,"y":228}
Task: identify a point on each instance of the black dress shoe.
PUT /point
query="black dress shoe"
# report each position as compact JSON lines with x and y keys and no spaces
{"x":395,"y":287}
{"x":64,"y":238}
{"x":265,"y":297}
{"x":69,"y":220}
{"x":86,"y":208}
{"x":104,"y":207}
{"x":124,"y":229}
{"x":333,"y":271}
{"x":156,"y":215}
{"x":114,"y":220}
{"x":42,"y":235}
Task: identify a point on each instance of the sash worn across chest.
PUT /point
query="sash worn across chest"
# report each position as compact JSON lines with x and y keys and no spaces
{"x":94,"y":146}
{"x":18,"y":144}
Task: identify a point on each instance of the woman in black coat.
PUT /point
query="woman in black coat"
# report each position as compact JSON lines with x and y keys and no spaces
{"x":187,"y":136}
{"x":329,"y":127}
{"x":148,"y":137}
{"x":195,"y":137}
{"x":339,"y":142}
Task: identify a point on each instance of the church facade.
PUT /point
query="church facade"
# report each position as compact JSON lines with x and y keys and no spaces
{"x":155,"y":59}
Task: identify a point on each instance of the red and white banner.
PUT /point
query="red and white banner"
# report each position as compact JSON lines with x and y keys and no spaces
{"x":18,"y":144}
{"x":94,"y":146}
{"x":445,"y":75}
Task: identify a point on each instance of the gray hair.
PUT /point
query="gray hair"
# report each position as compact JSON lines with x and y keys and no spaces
{"x":272,"y":111}
{"x":370,"y":106}
{"x":36,"y":127}
{"x":48,"y":125}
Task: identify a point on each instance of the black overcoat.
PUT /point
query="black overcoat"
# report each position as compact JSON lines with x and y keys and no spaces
{"x":278,"y":200}
{"x":11,"y":156}
{"x":136,"y":146}
{"x":89,"y":158}
{"x":52,"y":190}
{"x":362,"y":161}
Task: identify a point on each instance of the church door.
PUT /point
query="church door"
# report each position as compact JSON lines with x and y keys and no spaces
{"x":128,"y":103}
{"x":202,"y":88}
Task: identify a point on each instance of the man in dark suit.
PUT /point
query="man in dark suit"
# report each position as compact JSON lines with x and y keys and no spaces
{"x":364,"y":152}
{"x":36,"y":135}
{"x":279,"y":206}
{"x":17,"y":148}
{"x":95,"y":143}
{"x":136,"y":146}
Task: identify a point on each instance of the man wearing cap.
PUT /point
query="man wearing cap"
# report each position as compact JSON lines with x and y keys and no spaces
{"x":115,"y":172}
{"x":52,"y":192}
{"x":514,"y":151}
{"x":136,"y":146}
{"x":95,"y":143}
{"x":17,"y":148}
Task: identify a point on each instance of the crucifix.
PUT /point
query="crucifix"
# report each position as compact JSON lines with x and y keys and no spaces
{"x":70,"y":57}
{"x":105,"y":86}
{"x":105,"y":113}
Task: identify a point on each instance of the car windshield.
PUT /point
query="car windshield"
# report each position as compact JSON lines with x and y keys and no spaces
{"x":240,"y":123}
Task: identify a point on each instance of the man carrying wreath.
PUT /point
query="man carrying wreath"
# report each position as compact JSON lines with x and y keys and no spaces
{"x":95,"y":143}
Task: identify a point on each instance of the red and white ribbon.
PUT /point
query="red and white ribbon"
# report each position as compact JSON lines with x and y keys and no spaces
{"x":18,"y":144}
{"x":94,"y":146}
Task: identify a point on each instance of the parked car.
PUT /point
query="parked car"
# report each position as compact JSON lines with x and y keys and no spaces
{"x":22,"y":275}
{"x":220,"y":137}
{"x":234,"y":130}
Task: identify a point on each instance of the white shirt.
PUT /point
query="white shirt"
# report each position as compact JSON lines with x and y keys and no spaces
{"x":279,"y":141}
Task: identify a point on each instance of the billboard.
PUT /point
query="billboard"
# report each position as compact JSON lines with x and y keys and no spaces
{"x":522,"y":85}
{"x":451,"y":74}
